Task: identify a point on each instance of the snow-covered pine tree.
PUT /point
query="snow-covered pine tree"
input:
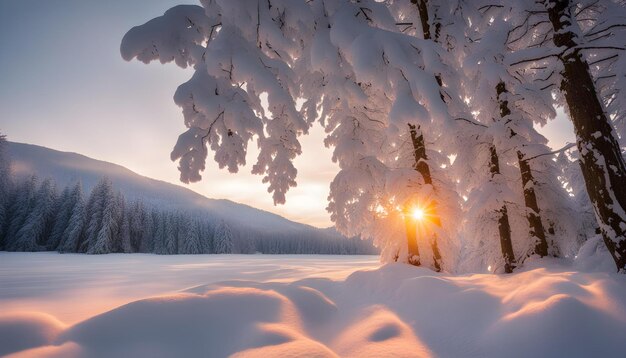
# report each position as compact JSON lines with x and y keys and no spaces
{"x":223,"y":239}
{"x":62,"y":213}
{"x":74,"y":230}
{"x":136,"y":217}
{"x":104,"y":223}
{"x":93,"y":214}
{"x":5,"y":188}
{"x":147,"y":238}
{"x":126,"y":215}
{"x":21,"y":205}
{"x":159,"y":232}
{"x":206,"y":236}
{"x":171,"y":227}
{"x":189,"y":237}
{"x":35,"y":230}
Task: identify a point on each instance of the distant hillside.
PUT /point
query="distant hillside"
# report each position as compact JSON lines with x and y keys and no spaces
{"x":67,"y":167}
{"x":253,"y":229}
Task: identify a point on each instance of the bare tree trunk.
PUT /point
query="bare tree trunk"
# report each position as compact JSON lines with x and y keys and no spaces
{"x":504,"y":227}
{"x":601,"y":161}
{"x":530,"y":199}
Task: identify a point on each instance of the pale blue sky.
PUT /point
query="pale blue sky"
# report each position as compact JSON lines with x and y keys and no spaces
{"x":65,"y":86}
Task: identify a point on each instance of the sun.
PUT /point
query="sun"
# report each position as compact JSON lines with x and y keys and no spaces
{"x":418,"y":214}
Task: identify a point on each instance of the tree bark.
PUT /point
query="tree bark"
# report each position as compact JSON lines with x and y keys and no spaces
{"x":532,"y":209}
{"x":530,"y":199}
{"x":411,"y":238}
{"x":421,"y":166}
{"x":601,"y":161}
{"x":504,"y":228}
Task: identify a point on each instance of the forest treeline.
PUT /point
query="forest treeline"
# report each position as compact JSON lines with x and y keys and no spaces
{"x":37,"y":216}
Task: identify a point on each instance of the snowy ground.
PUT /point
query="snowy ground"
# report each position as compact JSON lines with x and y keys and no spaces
{"x":65,"y":305}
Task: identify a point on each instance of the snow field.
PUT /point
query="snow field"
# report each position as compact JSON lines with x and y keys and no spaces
{"x":294,"y":306}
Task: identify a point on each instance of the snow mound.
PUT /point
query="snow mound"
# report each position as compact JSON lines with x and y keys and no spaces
{"x":393,"y":311}
{"x":19,"y":331}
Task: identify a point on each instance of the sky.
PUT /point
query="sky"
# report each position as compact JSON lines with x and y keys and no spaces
{"x":64,"y":85}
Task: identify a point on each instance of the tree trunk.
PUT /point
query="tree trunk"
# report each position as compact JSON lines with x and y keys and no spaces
{"x":601,"y":161}
{"x":530,"y":199}
{"x":411,"y":238}
{"x":421,"y":166}
{"x":504,"y":227}
{"x":532,"y":209}
{"x":418,"y":140}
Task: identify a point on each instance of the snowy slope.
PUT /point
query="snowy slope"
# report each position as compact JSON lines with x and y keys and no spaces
{"x":302,"y":306}
{"x":66,"y":167}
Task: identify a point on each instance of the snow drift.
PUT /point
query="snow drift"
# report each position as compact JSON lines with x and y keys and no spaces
{"x":395,"y":310}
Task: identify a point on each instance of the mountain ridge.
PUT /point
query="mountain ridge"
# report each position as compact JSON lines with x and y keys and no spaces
{"x":68,"y":167}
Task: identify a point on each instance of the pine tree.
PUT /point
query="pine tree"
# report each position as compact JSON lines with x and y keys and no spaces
{"x":223,"y":239}
{"x":93,"y":214}
{"x":171,"y":234}
{"x":21,"y":206}
{"x":5,"y":189}
{"x":159,"y":233}
{"x":138,"y":225}
{"x":33,"y":234}
{"x":73,"y":234}
{"x":104,"y":220}
{"x":189,"y":241}
{"x":126,"y":215}
{"x":148,"y":237}
{"x":63,"y":211}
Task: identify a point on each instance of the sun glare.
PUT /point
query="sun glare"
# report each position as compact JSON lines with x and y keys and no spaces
{"x":418,"y":214}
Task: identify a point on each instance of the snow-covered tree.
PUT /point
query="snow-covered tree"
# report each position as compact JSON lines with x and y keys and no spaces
{"x":571,"y":178}
{"x":36,"y":227}
{"x":206,"y":237}
{"x":147,"y":238}
{"x":566,"y":65}
{"x":103,"y":214}
{"x":5,"y":188}
{"x":126,"y":215}
{"x":137,"y":224}
{"x":170,"y":238}
{"x":189,"y":237}
{"x":74,"y":230}
{"x":386,"y":80}
{"x":159,"y":233}
{"x":376,"y":88}
{"x":603,"y":26}
{"x":223,"y":239}
{"x":21,"y":205}
{"x":63,"y":211}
